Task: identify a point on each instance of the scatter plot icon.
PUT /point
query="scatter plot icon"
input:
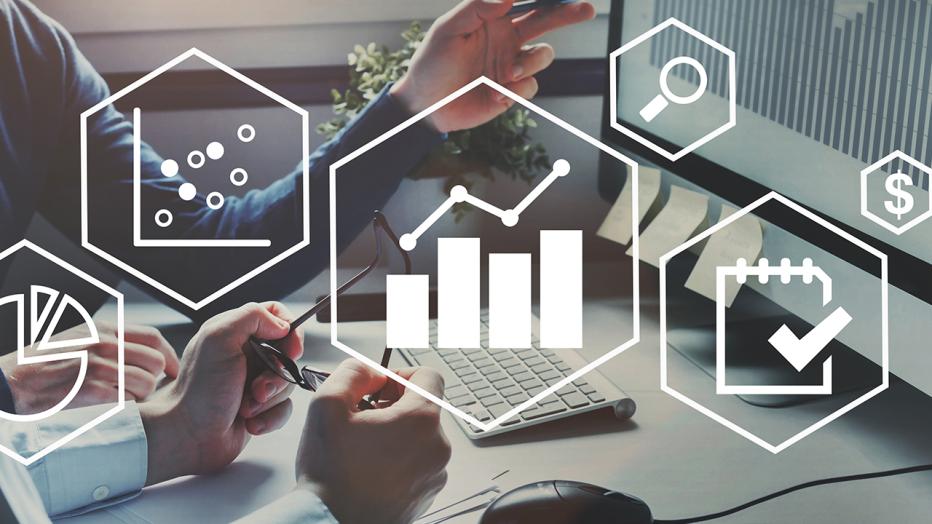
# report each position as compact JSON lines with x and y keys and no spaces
{"x":187,"y":191}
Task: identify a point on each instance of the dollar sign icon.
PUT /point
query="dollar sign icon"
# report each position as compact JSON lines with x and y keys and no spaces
{"x":904,"y":201}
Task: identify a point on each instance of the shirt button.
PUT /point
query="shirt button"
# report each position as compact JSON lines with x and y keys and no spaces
{"x":101,"y":492}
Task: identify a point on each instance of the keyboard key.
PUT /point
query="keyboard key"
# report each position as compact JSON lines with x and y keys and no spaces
{"x":563,"y":366}
{"x":551,"y":374}
{"x":479,"y":384}
{"x":491,"y":401}
{"x":495,"y":376}
{"x":554,"y":380}
{"x":455,"y":391}
{"x":465,"y":400}
{"x":540,"y":368}
{"x":575,"y":400}
{"x":566,"y":390}
{"x":526,"y":353}
{"x":431,"y":360}
{"x":523,"y":376}
{"x":587,"y":389}
{"x":509,"y":362}
{"x":533,"y":383}
{"x":580,"y":382}
{"x":501,"y":355}
{"x":483,"y":362}
{"x":538,"y":412}
{"x":463,"y":371}
{"x":509,"y":391}
{"x":514,"y":400}
{"x":472,"y":377}
{"x":534,"y":390}
{"x":548,"y":352}
{"x":482,"y":415}
{"x":533,"y":361}
{"x":485,"y":393}
{"x":503,"y":383}
{"x":596,"y":397}
{"x":514,"y":370}
{"x":447,"y":352}
{"x":458,"y":364}
{"x":546,"y":401}
{"x":498,"y":410}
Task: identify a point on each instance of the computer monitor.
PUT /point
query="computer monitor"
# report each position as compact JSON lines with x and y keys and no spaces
{"x":824,"y":89}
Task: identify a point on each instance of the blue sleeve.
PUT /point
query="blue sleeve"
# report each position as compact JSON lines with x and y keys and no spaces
{"x":271,"y":212}
{"x":6,"y":396}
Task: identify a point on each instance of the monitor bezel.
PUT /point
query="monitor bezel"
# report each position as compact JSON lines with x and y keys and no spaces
{"x":907,"y":271}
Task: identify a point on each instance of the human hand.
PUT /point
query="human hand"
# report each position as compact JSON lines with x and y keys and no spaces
{"x":39,"y":386}
{"x":475,"y":38}
{"x":202,"y":420}
{"x":378,"y":465}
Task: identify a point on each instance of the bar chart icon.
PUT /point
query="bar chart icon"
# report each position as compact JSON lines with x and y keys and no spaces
{"x":459,"y":283}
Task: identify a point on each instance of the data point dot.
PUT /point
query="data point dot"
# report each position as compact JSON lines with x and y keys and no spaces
{"x":238,"y":177}
{"x":196,"y":159}
{"x":169,"y":168}
{"x":163,"y":218}
{"x":561,"y":167}
{"x":459,"y":193}
{"x":510,"y":218}
{"x":187,"y":191}
{"x":215,"y":200}
{"x":246,"y":133}
{"x":407,"y":242}
{"x":214,"y":150}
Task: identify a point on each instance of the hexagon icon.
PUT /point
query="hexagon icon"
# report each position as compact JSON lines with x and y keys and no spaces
{"x":774,"y":447}
{"x":904,"y":202}
{"x":666,"y":99}
{"x":58,"y":307}
{"x":342,"y":337}
{"x":213,"y":171}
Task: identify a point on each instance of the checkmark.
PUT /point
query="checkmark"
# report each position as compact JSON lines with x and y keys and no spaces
{"x":801,"y":351}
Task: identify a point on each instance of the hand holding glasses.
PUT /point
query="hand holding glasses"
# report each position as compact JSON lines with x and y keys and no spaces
{"x":307,"y":377}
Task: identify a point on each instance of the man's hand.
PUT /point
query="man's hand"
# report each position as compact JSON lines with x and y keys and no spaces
{"x":478,"y":38}
{"x":380,"y":465}
{"x":202,"y":421}
{"x":39,"y":386}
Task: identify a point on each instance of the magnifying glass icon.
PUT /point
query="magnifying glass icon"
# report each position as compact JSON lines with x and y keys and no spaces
{"x":661,"y":101}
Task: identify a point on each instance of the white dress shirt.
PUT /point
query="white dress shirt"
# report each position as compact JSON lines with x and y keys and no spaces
{"x":105,"y":466}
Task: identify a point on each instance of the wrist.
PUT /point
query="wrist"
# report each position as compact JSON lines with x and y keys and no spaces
{"x":405,"y":93}
{"x":167,"y":445}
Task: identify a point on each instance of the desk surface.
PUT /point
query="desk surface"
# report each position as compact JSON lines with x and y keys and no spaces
{"x":676,"y":459}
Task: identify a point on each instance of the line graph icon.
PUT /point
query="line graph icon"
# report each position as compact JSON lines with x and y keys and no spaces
{"x":459,"y":283}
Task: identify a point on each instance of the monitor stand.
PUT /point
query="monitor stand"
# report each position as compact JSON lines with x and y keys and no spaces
{"x":759,"y":363}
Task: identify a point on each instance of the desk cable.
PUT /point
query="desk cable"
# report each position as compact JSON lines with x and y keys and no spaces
{"x":798,"y":487}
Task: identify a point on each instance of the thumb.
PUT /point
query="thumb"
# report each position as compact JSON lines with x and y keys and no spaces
{"x":469,"y":15}
{"x":255,"y":320}
{"x":351,"y":381}
{"x":426,"y":379}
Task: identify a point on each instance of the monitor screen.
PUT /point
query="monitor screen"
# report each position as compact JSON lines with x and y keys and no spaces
{"x":823,"y":89}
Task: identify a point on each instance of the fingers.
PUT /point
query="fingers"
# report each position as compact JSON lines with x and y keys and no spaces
{"x":426,"y":379}
{"x":270,"y":420}
{"x":351,"y":381}
{"x":525,"y":88}
{"x":542,"y":21}
{"x":144,"y":357}
{"x":532,"y":60}
{"x":469,"y":15}
{"x":254,"y":320}
{"x":151,"y":337}
{"x":251,"y":407}
{"x":138,"y":382}
{"x":264,"y":388}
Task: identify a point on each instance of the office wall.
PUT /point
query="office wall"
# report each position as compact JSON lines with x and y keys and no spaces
{"x":135,"y":36}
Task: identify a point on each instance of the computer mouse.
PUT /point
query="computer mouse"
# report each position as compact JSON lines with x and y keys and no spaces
{"x":566,"y":502}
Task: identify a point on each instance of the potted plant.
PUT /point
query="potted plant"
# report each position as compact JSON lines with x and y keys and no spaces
{"x":501,"y":147}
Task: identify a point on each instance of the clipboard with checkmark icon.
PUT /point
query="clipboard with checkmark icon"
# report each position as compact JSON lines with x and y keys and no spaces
{"x":798,"y":349}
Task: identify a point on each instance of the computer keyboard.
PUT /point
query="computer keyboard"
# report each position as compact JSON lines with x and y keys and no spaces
{"x":488,"y":383}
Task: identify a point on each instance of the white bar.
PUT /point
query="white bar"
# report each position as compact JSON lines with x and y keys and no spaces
{"x":407,"y":311}
{"x":510,"y":300}
{"x":458,"y":292}
{"x":561,"y":289}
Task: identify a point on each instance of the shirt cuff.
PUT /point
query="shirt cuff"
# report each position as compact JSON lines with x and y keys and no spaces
{"x":104,"y":466}
{"x":299,"y":506}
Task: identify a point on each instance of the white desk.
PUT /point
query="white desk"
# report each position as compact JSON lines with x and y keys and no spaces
{"x":679,"y":461}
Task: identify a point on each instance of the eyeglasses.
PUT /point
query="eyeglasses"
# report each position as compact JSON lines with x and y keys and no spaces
{"x":309,"y":378}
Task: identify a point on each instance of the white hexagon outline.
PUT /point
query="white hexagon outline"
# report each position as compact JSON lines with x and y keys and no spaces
{"x":334,"y":326}
{"x":884,"y":324}
{"x":305,"y":130}
{"x":121,"y":393}
{"x":873,"y":168}
{"x":613,"y":89}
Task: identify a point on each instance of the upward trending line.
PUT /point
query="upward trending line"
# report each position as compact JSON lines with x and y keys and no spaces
{"x":509,"y":217}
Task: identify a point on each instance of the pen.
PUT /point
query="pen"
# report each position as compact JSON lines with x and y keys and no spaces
{"x":524,"y":6}
{"x":372,"y":401}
